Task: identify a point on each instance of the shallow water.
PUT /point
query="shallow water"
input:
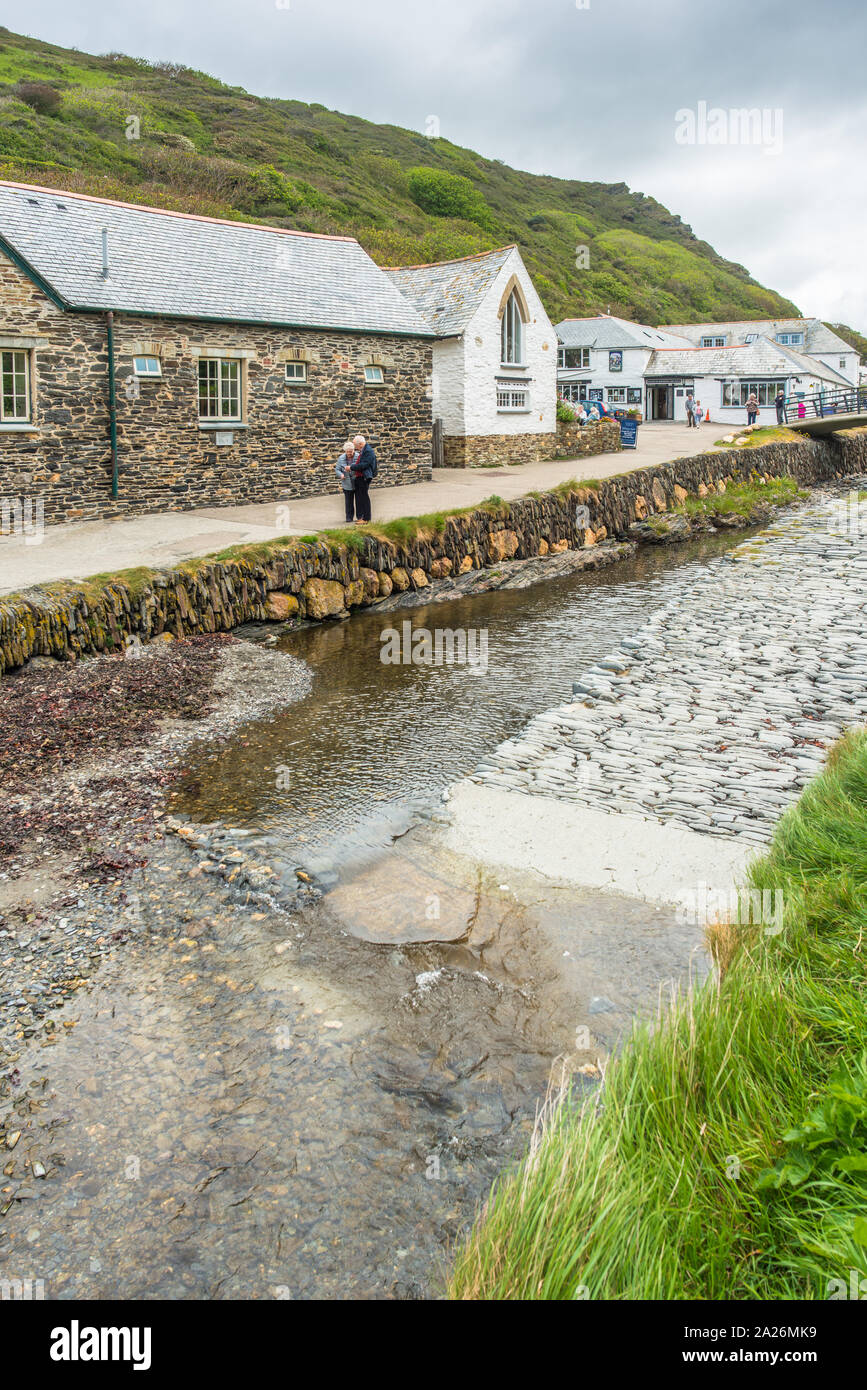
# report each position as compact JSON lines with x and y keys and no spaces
{"x":342,"y":771}
{"x":255,"y":1103}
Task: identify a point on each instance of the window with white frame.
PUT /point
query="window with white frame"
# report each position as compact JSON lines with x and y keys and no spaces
{"x":716,"y":340}
{"x":147,"y":366}
{"x":220,"y":389}
{"x":296,"y":373}
{"x":374,"y":376}
{"x":512,"y":334}
{"x":792,"y":339}
{"x":15,"y":384}
{"x":737,"y":393}
{"x":574,"y":358}
{"x":511,"y":398}
{"x":617,"y":395}
{"x":843,"y":362}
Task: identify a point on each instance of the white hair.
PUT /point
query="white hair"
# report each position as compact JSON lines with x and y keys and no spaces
{"x":360,"y":439}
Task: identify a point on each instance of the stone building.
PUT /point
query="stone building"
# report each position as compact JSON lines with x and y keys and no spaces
{"x":154,"y":360}
{"x":495,"y":360}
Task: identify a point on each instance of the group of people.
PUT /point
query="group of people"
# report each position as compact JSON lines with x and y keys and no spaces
{"x":356,"y":469}
{"x":694,"y":416}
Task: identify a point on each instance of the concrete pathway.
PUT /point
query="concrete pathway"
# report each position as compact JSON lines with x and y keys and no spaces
{"x":78,"y":549}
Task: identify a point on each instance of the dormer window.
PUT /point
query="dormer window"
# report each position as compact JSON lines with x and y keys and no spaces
{"x":790,"y":339}
{"x":713,"y":341}
{"x":512,"y":334}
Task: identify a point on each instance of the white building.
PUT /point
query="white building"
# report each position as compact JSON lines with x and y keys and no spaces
{"x":495,"y":362}
{"x":632,"y":365}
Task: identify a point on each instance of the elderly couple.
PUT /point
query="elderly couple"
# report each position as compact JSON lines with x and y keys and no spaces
{"x":356,"y":469}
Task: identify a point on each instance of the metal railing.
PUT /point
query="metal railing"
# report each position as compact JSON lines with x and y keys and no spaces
{"x":847,"y":400}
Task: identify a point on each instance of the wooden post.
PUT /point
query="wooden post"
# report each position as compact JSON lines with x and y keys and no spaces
{"x":437,"y":455}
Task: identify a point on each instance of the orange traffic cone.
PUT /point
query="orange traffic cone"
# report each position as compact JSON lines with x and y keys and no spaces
{"x":707,"y":418}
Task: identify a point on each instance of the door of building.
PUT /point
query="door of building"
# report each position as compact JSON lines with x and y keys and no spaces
{"x":660,"y":403}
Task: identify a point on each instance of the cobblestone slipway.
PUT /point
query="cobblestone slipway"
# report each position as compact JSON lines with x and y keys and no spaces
{"x":715,"y":714}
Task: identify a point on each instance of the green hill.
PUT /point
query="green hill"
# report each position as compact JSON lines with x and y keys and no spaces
{"x":65,"y":119}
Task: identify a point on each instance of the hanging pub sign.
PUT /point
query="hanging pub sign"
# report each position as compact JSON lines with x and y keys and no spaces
{"x":615,"y":361}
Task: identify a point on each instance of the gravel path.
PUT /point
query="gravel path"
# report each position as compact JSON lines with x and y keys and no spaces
{"x":716,"y":714}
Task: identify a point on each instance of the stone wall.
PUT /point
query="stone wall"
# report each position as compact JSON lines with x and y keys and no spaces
{"x":318,"y":581}
{"x":569,"y":441}
{"x":287,"y":448}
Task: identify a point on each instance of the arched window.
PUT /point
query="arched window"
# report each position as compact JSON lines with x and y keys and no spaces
{"x":512,"y":333}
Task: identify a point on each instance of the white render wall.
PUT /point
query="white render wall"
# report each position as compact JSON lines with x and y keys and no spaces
{"x":467,"y":393}
{"x":635,"y":361}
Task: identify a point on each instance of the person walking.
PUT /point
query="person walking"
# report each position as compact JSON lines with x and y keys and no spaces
{"x":752,"y":408}
{"x":364,"y":469}
{"x":344,"y":473}
{"x":690,"y":410}
{"x":696,"y":410}
{"x":780,"y":403}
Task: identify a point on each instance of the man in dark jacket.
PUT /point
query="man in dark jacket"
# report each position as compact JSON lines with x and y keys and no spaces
{"x":780,"y":403}
{"x":364,"y":470}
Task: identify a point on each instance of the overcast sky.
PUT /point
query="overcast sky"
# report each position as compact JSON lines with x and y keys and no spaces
{"x":589,"y":92}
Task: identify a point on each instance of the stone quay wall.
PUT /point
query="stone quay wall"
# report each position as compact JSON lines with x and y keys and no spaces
{"x":322,"y":580}
{"x":569,"y":441}
{"x":292,"y":432}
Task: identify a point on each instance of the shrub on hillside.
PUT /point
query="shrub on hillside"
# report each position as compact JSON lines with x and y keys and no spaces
{"x":447,"y":195}
{"x":44,"y":99}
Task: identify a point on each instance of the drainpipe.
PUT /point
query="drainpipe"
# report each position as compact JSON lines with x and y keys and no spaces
{"x":112,"y":401}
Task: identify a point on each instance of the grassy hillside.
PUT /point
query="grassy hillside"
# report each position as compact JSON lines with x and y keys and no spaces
{"x":205,"y":147}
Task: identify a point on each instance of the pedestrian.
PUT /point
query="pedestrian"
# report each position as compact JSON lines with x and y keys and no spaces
{"x":752,"y":408}
{"x":364,"y":469}
{"x":697,"y":413}
{"x":780,"y":403}
{"x":690,"y":410}
{"x":344,"y":473}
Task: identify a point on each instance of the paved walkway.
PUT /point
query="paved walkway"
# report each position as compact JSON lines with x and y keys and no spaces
{"x":78,"y":549}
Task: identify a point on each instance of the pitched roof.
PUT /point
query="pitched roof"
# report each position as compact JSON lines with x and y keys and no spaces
{"x":763,"y":358}
{"x":604,"y":331}
{"x":448,"y":293}
{"x":817,"y":337}
{"x":198,"y":267}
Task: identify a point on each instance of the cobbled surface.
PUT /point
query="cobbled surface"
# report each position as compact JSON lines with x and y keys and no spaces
{"x":718,"y":711}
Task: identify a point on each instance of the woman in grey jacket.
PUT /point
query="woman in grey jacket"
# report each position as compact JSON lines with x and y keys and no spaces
{"x":347,"y":482}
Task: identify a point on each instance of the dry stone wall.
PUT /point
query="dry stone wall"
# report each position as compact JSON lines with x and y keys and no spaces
{"x":320,"y":581}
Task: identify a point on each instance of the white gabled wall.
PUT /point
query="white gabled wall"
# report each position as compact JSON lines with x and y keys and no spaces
{"x":466,"y":370}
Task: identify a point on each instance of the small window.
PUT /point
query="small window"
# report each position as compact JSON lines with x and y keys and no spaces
{"x":575,"y":357}
{"x":147,"y":366}
{"x":792,"y":339}
{"x":508,"y":399}
{"x":751,"y":337}
{"x":617,"y":395}
{"x":633,"y":395}
{"x":15,"y":393}
{"x":296,"y":371}
{"x":843,"y":363}
{"x":374,"y":376}
{"x":712,"y":342}
{"x":219,"y":389}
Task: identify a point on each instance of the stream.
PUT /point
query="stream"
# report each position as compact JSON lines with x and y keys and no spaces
{"x":312,"y":1103}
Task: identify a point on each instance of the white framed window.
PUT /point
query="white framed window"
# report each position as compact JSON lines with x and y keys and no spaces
{"x":14,"y":387}
{"x":512,"y":334}
{"x":296,"y":373}
{"x":617,"y":395}
{"x":793,"y":339}
{"x":374,"y":376}
{"x":510,"y":398}
{"x":713,"y":341}
{"x":220,"y":388}
{"x":737,"y":393}
{"x":843,"y":362}
{"x":574,"y":357}
{"x":147,"y":366}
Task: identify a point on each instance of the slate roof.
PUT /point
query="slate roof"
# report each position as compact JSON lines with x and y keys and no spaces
{"x":448,"y":293}
{"x":763,"y":358}
{"x":199,"y":267}
{"x":817,"y":338}
{"x":605,"y":331}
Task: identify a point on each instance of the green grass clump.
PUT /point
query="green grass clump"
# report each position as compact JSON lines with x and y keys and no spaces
{"x":743,"y":498}
{"x":725,"y":1156}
